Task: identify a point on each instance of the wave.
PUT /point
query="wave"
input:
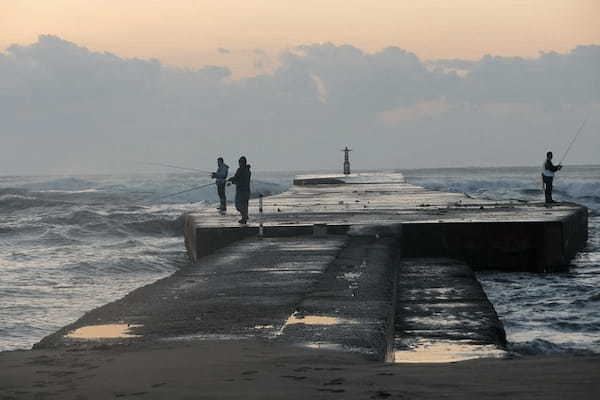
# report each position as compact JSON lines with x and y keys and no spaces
{"x":89,"y":222}
{"x":62,"y":184}
{"x":10,"y":202}
{"x":595,"y":297}
{"x":119,"y":267}
{"x":160,"y":226}
{"x":56,"y":239}
{"x":539,"y":347}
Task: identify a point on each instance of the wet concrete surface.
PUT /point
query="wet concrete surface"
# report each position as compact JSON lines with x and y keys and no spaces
{"x":441,"y":304}
{"x":356,"y":295}
{"x":344,"y":292}
{"x":249,"y":288}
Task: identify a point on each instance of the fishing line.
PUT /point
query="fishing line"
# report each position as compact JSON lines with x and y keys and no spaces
{"x":183,"y":191}
{"x":173,"y":166}
{"x":192,"y":169}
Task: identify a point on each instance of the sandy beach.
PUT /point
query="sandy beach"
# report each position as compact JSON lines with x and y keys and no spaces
{"x":255,"y":370}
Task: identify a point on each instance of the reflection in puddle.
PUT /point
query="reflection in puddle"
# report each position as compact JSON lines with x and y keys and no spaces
{"x":207,"y":336}
{"x":324,"y":346}
{"x":297,"y":318}
{"x":445,"y":352}
{"x":112,"y":331}
{"x":263,"y":327}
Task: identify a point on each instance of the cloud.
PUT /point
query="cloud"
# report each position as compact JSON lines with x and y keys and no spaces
{"x":64,"y":108}
{"x":418,"y":111}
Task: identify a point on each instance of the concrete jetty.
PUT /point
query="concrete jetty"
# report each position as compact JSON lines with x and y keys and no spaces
{"x":506,"y":235}
{"x":360,"y":262}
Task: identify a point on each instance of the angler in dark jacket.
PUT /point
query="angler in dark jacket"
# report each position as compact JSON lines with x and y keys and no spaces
{"x":220,"y":177}
{"x":241,"y":180}
{"x":548,"y":177}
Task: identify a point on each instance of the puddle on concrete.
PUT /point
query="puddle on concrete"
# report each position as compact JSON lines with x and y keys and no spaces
{"x":296,"y":318}
{"x":111,"y":331}
{"x":264,"y":327}
{"x":446,"y":352}
{"x":449,"y":321}
{"x":324,"y":346}
{"x":288,"y":272}
{"x":206,"y":337}
{"x":314,"y":320}
{"x":352,"y":278}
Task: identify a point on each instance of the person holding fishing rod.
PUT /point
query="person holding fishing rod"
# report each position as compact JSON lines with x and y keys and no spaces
{"x":220,"y":177}
{"x":548,"y":177}
{"x":549,"y":169}
{"x":241,"y":180}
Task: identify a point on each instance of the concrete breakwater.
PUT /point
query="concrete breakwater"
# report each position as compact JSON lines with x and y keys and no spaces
{"x":363,"y":262}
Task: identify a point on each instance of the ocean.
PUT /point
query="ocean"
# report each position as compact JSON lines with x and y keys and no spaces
{"x":69,"y":244}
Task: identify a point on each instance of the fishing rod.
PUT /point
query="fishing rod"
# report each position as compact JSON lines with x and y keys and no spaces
{"x":574,"y":138}
{"x":187,"y":169}
{"x":183,"y":191}
{"x":173,"y":166}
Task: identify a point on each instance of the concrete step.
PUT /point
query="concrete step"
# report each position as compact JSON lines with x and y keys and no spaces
{"x":351,"y":305}
{"x":443,"y":314}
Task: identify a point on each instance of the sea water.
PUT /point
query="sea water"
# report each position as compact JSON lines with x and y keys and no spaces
{"x":69,"y":244}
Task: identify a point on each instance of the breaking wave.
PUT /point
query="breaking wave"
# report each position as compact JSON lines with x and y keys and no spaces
{"x":10,"y":202}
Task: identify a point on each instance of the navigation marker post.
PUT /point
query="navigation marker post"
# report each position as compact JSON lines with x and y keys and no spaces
{"x":346,"y":151}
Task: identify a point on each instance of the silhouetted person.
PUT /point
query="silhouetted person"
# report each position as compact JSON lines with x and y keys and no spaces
{"x":220,"y":177}
{"x":241,"y":180}
{"x":548,"y":176}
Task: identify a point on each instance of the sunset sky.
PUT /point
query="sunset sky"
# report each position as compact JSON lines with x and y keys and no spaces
{"x":193,"y":33}
{"x":89,"y":85}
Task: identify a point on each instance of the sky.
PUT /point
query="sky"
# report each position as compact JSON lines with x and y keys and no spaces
{"x":194,"y":33}
{"x":93,"y":86}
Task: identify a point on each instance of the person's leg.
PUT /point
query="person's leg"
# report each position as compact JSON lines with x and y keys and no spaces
{"x":238,"y":201}
{"x":222,"y":196}
{"x":245,"y":213}
{"x":243,"y":203}
{"x":548,"y":189}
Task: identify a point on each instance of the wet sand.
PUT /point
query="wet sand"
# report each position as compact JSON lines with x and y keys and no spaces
{"x":250,"y":369}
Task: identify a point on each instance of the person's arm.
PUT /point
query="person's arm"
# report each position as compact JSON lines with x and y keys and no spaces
{"x":552,"y":167}
{"x":234,"y":179}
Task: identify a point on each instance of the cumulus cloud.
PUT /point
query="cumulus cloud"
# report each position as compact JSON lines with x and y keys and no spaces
{"x":64,"y":108}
